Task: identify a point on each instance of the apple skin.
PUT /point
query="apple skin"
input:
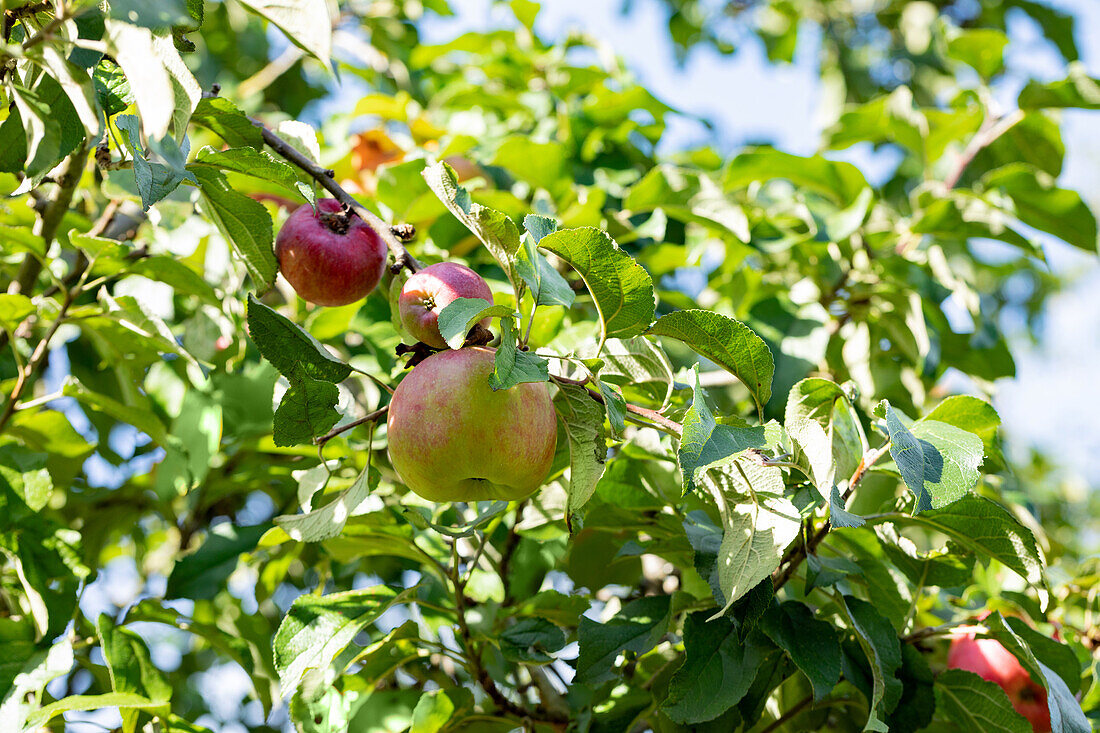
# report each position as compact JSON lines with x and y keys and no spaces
{"x":452,"y":438}
{"x":430,"y":291}
{"x":989,"y":659}
{"x":326,"y":267}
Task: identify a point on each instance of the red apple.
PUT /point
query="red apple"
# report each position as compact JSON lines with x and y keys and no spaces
{"x":452,"y":438}
{"x":433,"y":289}
{"x":329,"y":259}
{"x":989,"y":659}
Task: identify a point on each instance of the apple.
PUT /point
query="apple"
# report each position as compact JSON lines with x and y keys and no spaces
{"x":989,"y":659}
{"x":452,"y":438}
{"x":327,"y":258}
{"x":431,"y":290}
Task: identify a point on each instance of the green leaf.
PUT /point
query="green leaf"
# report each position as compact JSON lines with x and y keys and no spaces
{"x":917,"y":705}
{"x":317,"y":628}
{"x":124,"y":700}
{"x":705,"y":443}
{"x":583,"y":420}
{"x":839,"y":515}
{"x":112,"y":88}
{"x":943,"y":568}
{"x":202,"y":574}
{"x":621,"y":288}
{"x":306,"y":23}
{"x":21,"y":239}
{"x":531,"y":641}
{"x":984,"y":528}
{"x":329,"y":520}
{"x":164,"y":89}
{"x":432,"y":712}
{"x":883,"y":651}
{"x":1040,"y":204}
{"x":140,"y":416}
{"x":887,"y":588}
{"x":972,"y":703}
{"x":638,"y":363}
{"x":258,"y":164}
{"x":244,"y":223}
{"x":155,"y":181}
{"x":1066,"y":715}
{"x":512,"y":366}
{"x":308,"y":410}
{"x":824,"y":402}
{"x":960,"y":452}
{"x":717,"y":671}
{"x":616,"y":407}
{"x":982,"y":49}
{"x":542,"y":164}
{"x":156,"y":15}
{"x":14,"y":308}
{"x":758,"y":523}
{"x":496,"y":231}
{"x":814,"y":453}
{"x":1054,"y":654}
{"x":972,"y":414}
{"x":25,"y":669}
{"x":289,"y":348}
{"x":459,"y":316}
{"x":840,"y":181}
{"x":636,"y":628}
{"x":915,"y":462}
{"x":728,"y":343}
{"x":1078,"y":89}
{"x":547,"y":285}
{"x":129,"y":664}
{"x":76,"y":84}
{"x":811,"y":643}
{"x":227,"y":121}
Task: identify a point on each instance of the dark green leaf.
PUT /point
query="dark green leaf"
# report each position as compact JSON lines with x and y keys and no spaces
{"x":308,"y":410}
{"x":636,"y":628}
{"x":222,"y":117}
{"x":243,"y":222}
{"x":289,"y":348}
{"x":972,"y":703}
{"x":811,"y":643}
{"x":728,"y":343}
{"x":203,"y":573}
{"x":512,"y":366}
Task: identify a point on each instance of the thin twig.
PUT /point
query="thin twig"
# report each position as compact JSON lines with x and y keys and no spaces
{"x":323,"y":176}
{"x":369,"y":417}
{"x":670,"y":425}
{"x":795,"y":710}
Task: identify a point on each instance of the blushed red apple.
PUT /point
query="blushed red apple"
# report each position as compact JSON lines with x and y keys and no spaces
{"x":431,"y":290}
{"x":452,"y":438}
{"x":328,"y":259}
{"x":989,"y":659}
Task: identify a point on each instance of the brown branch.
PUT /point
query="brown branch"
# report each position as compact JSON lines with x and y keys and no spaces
{"x":794,"y":556}
{"x":369,"y":417}
{"x":645,"y":412}
{"x":324,"y":176}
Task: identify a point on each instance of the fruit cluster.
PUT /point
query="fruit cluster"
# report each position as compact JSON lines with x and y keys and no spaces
{"x":451,"y":437}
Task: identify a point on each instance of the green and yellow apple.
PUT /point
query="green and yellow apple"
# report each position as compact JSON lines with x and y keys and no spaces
{"x":452,"y":438}
{"x":431,"y":290}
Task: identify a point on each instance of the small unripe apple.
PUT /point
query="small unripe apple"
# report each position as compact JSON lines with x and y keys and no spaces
{"x":330,"y":259}
{"x":431,"y":290}
{"x":989,"y":659}
{"x":452,"y":438}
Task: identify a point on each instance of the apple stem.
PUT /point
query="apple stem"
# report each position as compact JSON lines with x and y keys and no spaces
{"x":324,"y":176}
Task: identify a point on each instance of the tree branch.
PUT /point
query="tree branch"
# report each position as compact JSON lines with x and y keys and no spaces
{"x":666,"y":423}
{"x":369,"y":417}
{"x":323,"y":176}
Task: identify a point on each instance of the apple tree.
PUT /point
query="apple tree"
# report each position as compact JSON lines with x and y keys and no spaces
{"x":445,"y":400}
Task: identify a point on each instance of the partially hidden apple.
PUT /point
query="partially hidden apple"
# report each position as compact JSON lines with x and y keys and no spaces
{"x":330,"y":259}
{"x":989,"y":659}
{"x":431,"y":290}
{"x":452,"y":438}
